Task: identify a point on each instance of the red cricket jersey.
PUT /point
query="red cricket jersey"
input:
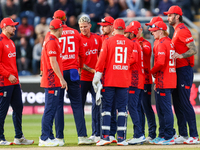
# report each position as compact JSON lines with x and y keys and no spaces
{"x":115,"y":57}
{"x":103,"y":37}
{"x":7,"y":61}
{"x":71,"y":49}
{"x":137,"y":69}
{"x":181,"y":37}
{"x":92,"y":47}
{"x":51,"y":48}
{"x":147,"y":59}
{"x":165,"y":66}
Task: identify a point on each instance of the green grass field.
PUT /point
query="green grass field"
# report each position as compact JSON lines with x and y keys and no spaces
{"x":32,"y":128}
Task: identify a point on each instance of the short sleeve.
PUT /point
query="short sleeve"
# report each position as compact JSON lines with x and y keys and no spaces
{"x":185,"y":36}
{"x":52,"y":48}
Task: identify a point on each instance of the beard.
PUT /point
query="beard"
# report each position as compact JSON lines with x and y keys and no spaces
{"x":12,"y":34}
{"x":172,"y":22}
{"x":129,"y":37}
{"x":105,"y":33}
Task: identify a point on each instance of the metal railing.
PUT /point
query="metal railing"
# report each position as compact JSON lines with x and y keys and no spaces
{"x":192,"y":27}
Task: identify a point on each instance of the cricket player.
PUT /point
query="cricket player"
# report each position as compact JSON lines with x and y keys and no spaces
{"x":146,"y":100}
{"x":136,"y":89}
{"x":10,"y":90}
{"x":161,"y":117}
{"x":164,"y":73}
{"x":115,"y":57}
{"x":52,"y":80}
{"x":107,"y":29}
{"x":91,"y":45}
{"x":72,"y":58}
{"x":185,"y":51}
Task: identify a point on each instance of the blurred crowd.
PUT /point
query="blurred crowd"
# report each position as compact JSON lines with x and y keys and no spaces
{"x":34,"y":17}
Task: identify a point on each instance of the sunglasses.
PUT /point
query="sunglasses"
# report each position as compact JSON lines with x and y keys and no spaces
{"x":154,"y":26}
{"x":104,"y":21}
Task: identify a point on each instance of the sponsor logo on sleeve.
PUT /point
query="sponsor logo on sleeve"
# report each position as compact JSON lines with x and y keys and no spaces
{"x":161,"y":53}
{"x":189,"y":39}
{"x":135,"y":51}
{"x":146,"y":46}
{"x":52,"y":52}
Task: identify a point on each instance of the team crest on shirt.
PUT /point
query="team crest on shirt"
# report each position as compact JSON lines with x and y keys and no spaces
{"x":7,"y":46}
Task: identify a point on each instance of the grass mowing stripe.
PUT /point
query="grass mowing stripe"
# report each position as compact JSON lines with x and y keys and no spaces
{"x":31,"y":125}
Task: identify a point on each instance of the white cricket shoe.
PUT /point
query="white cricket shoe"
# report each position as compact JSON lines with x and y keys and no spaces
{"x":122,"y":143}
{"x":97,"y":138}
{"x":103,"y":142}
{"x":192,"y":140}
{"x":85,"y":141}
{"x":175,"y":136}
{"x":134,"y":141}
{"x":48,"y":142}
{"x":60,"y":142}
{"x":5,"y":143}
{"x":148,"y":139}
{"x":112,"y":139}
{"x":92,"y":137}
{"x":22,"y":141}
{"x":180,"y":139}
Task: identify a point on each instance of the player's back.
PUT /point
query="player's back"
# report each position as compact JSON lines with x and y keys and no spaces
{"x":117,"y":51}
{"x":71,"y":47}
{"x":137,"y":69}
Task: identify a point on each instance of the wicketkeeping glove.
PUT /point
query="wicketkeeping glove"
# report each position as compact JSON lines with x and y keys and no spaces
{"x":98,"y":94}
{"x":96,"y":79}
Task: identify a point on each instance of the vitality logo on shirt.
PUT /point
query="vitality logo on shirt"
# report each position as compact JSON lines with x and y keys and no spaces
{"x":10,"y":55}
{"x":94,"y":51}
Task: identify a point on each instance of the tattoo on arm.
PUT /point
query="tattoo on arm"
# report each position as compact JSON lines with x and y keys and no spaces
{"x":85,"y":67}
{"x":192,"y":50}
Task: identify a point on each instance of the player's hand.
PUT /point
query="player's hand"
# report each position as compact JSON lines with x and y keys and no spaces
{"x":92,"y":71}
{"x":177,"y":55}
{"x":63,"y":84}
{"x":154,"y":75}
{"x":79,"y":71}
{"x":141,"y":43}
{"x":12,"y":79}
{"x":154,"y":87}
